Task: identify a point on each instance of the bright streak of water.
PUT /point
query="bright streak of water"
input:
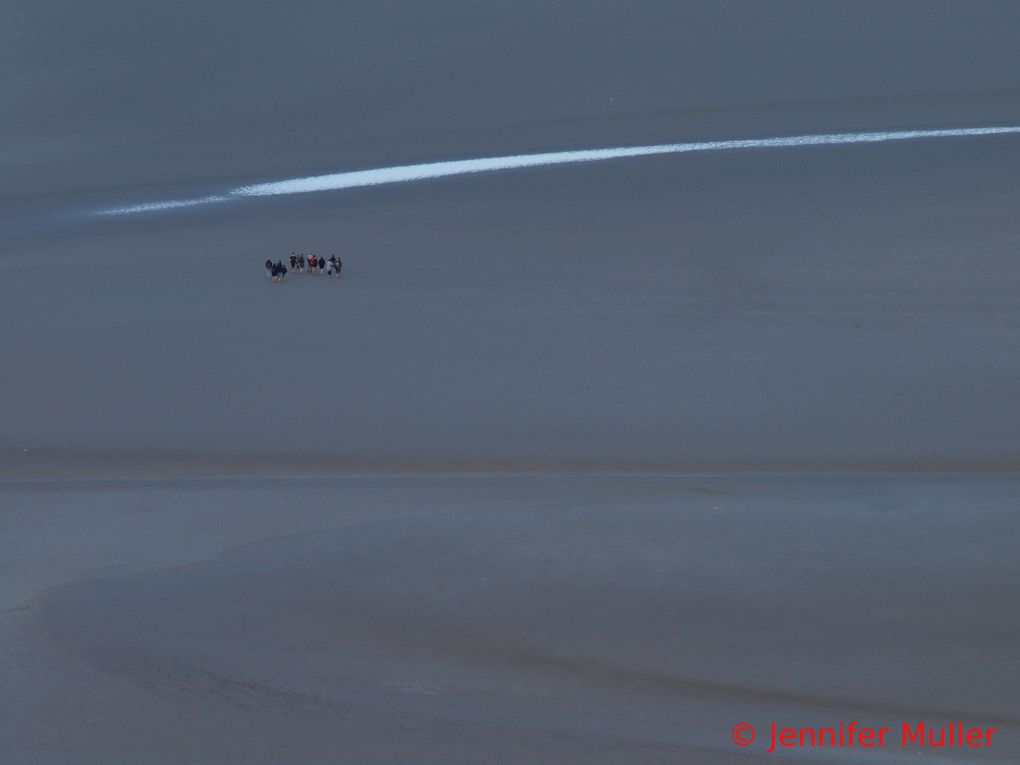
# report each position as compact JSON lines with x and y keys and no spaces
{"x":407,"y":173}
{"x":169,"y":204}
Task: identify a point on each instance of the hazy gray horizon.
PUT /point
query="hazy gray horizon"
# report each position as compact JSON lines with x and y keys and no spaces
{"x":112,"y":97}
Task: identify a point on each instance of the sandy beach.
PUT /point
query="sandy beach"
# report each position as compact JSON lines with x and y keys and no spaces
{"x":577,"y":463}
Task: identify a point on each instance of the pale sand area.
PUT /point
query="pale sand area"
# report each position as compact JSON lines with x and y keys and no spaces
{"x":596,"y":619}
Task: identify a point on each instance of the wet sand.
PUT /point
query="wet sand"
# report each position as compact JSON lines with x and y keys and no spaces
{"x":830,"y":308}
{"x":837,"y":307}
{"x":599,"y":619}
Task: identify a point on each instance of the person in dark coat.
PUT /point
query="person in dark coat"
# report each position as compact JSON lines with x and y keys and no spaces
{"x":269,"y":269}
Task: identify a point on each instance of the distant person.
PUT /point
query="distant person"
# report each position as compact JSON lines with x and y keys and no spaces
{"x":274,"y":271}
{"x":322,"y":265}
{"x":293,"y":261}
{"x":301,"y":263}
{"x":269,"y":269}
{"x":281,"y":270}
{"x":339,"y":265}
{"x":313,"y":262}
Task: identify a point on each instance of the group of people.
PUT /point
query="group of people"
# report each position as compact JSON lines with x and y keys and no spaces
{"x":315,"y":264}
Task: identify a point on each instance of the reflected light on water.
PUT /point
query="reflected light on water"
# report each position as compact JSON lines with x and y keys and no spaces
{"x":420,"y":172}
